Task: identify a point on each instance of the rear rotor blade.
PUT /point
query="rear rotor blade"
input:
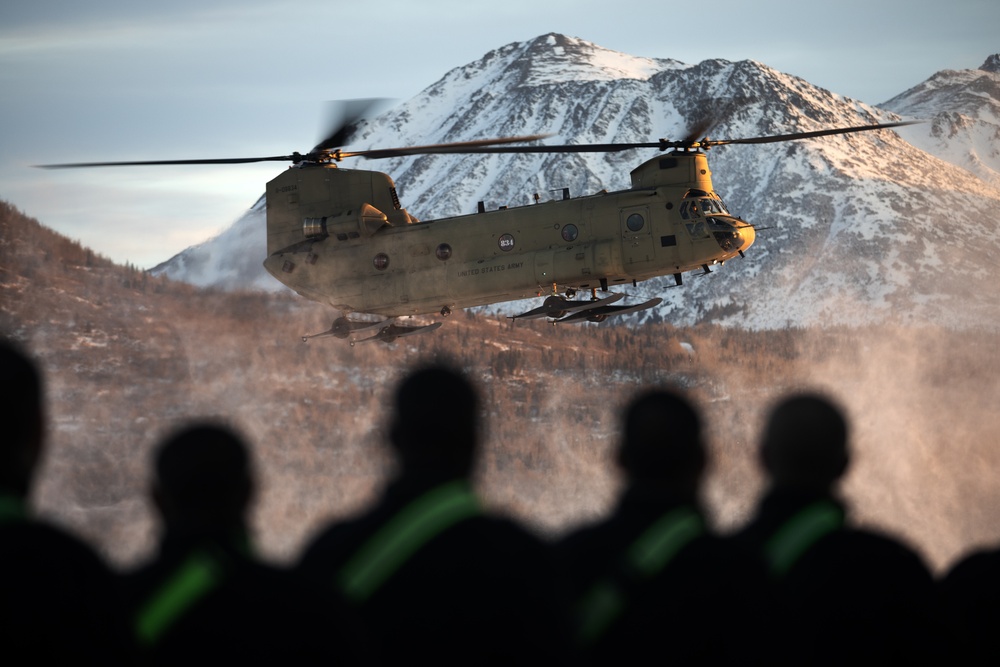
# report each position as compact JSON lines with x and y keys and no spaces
{"x":345,"y":117}
{"x":295,"y":157}
{"x":490,"y":147}
{"x":805,"y":135}
{"x":699,"y":129}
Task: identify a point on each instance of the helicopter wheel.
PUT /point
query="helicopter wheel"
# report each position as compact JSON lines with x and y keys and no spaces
{"x":570,"y":293}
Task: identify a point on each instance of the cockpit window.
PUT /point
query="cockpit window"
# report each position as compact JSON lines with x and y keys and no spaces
{"x":689,"y":209}
{"x":694,"y":208}
{"x":726,"y":233}
{"x":696,"y":230}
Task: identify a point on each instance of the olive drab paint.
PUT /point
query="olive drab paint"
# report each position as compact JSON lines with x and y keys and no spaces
{"x":341,"y":237}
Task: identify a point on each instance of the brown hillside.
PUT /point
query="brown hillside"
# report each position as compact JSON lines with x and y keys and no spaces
{"x":128,"y":356}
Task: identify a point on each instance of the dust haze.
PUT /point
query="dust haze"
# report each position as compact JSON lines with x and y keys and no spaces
{"x":128,"y":357}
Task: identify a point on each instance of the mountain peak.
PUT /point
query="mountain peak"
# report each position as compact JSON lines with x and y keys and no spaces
{"x":555,"y":58}
{"x":992,"y":64}
{"x":847,"y":196}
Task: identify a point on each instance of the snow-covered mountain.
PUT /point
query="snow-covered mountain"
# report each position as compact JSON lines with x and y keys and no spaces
{"x":963,"y":110}
{"x":854,"y":229}
{"x":231,"y":260}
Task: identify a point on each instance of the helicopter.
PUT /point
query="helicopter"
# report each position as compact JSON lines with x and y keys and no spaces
{"x":342,"y":237}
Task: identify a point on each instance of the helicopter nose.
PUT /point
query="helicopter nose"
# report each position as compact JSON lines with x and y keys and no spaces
{"x":748,"y":234}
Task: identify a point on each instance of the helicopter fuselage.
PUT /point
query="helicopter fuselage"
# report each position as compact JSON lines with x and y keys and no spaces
{"x":340,"y":237}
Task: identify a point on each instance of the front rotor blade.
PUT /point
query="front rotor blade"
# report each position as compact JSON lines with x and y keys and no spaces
{"x":490,"y":146}
{"x":478,"y":146}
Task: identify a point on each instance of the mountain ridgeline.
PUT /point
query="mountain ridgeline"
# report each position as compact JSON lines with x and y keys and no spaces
{"x":877,"y":227}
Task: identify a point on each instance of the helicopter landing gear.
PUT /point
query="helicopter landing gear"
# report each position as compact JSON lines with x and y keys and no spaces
{"x":343,"y":328}
{"x":599,"y":313}
{"x":556,"y":306}
{"x":391,"y":332}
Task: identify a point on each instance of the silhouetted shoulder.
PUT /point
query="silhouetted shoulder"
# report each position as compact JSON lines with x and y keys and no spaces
{"x":491,"y":535}
{"x":37,"y":545}
{"x":862,"y":593}
{"x":594,"y":551}
{"x":249,"y":613}
{"x":971,"y":595}
{"x":331,"y":547}
{"x":435,"y":577}
{"x":483,"y":545}
{"x":206,"y":597}
{"x":862,"y":567}
{"x":877,"y":549}
{"x":706,"y":602}
{"x":978,"y":569}
{"x":482,"y":589}
{"x":58,"y":599}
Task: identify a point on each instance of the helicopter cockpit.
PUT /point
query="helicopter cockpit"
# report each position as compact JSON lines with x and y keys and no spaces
{"x":707,"y":216}
{"x":697,"y":203}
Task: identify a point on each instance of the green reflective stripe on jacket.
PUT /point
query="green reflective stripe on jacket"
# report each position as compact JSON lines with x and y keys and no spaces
{"x":646,"y":557}
{"x":661,"y":541}
{"x":799,"y":533}
{"x":199,"y":574}
{"x":603,"y":603}
{"x":403,"y":535}
{"x":12,"y":509}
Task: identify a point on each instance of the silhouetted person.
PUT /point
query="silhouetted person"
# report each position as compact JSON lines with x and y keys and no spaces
{"x":439,"y":579}
{"x":848,"y":595}
{"x":971,"y":593}
{"x":58,"y":600}
{"x":651,"y":582}
{"x":206,"y":599}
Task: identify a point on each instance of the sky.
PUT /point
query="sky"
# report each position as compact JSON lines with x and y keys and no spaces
{"x":107,"y":80}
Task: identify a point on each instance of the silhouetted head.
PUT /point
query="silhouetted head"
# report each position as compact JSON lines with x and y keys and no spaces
{"x":662,"y":441}
{"x":22,"y":419}
{"x":805,"y":443}
{"x":436,"y":423}
{"x":203,"y":479}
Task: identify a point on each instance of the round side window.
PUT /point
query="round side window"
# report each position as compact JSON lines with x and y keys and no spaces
{"x":506,"y":242}
{"x":569,"y":233}
{"x":381,"y":261}
{"x":635,"y":222}
{"x":443,"y":251}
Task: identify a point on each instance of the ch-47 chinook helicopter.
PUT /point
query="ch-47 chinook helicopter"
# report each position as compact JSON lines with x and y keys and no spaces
{"x":341,"y":236}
